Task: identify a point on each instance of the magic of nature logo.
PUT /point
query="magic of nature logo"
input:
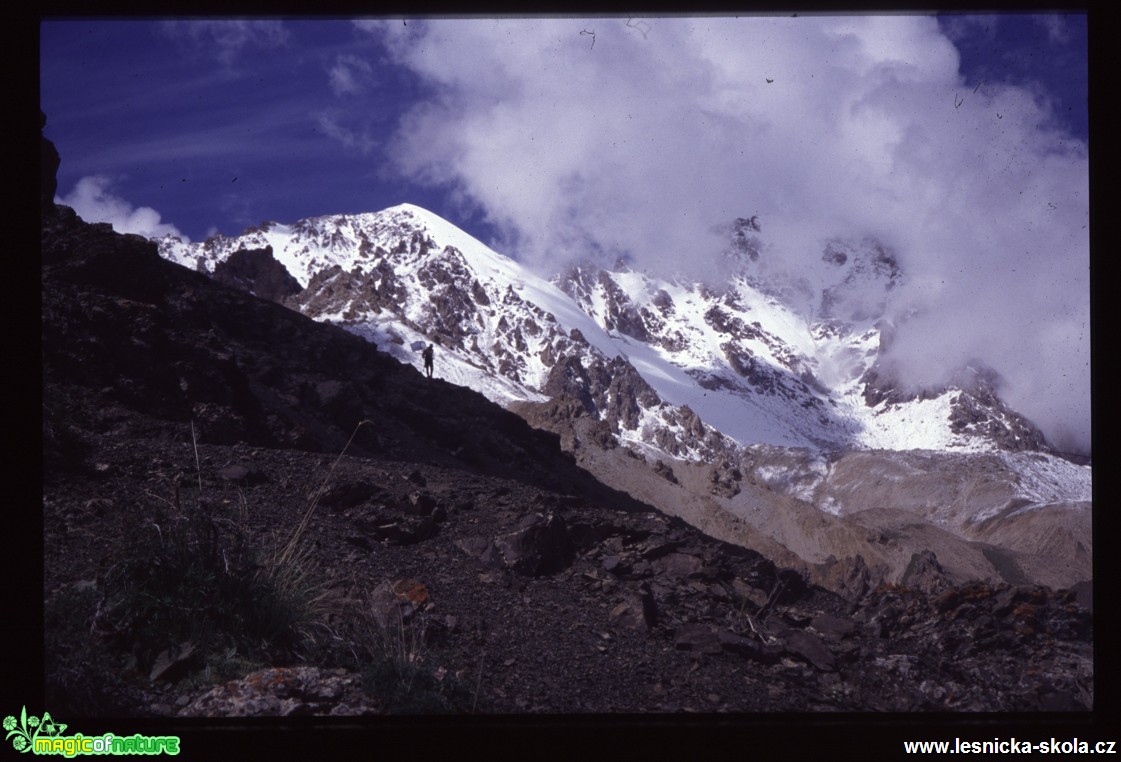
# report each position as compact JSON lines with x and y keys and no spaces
{"x":44,"y":735}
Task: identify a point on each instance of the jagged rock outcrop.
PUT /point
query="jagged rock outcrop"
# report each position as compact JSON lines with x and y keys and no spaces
{"x":871,"y":273}
{"x":975,"y":407}
{"x":612,"y":391}
{"x":258,"y":272}
{"x":49,"y":162}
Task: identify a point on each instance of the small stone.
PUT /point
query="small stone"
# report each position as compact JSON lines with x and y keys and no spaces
{"x":699,"y":638}
{"x":833,"y":627}
{"x":749,"y":648}
{"x":810,"y":648}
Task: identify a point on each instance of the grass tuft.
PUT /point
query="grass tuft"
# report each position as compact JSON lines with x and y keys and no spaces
{"x":188,"y":595}
{"x":184,"y":592}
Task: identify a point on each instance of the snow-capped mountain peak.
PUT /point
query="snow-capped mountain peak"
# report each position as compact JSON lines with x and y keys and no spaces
{"x":775,"y":362}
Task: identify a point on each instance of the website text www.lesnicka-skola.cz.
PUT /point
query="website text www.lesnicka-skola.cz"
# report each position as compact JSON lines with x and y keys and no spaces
{"x":1011,"y":746}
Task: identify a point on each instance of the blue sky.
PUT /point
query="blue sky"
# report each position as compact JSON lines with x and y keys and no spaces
{"x":219,"y":125}
{"x":959,"y":141}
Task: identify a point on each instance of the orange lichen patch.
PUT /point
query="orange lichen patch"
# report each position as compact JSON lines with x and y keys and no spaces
{"x":412,"y":591}
{"x":977,"y":593}
{"x":270,"y":678}
{"x":1025,"y":611}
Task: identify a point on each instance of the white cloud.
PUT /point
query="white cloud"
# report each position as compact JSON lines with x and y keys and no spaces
{"x":649,"y":139}
{"x":224,"y":39}
{"x":357,"y":140}
{"x":349,"y":75}
{"x":94,"y":201}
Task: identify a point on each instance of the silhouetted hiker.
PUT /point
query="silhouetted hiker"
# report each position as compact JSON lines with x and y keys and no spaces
{"x":427,"y":354}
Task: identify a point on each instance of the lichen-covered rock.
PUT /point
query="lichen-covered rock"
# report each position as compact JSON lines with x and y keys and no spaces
{"x":284,"y":692}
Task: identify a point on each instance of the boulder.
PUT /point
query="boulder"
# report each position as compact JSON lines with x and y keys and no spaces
{"x":396,"y":603}
{"x":637,"y":610}
{"x":680,"y":565}
{"x":833,"y":627}
{"x":483,"y":550}
{"x":749,"y":648}
{"x":698,"y":638}
{"x":538,"y":547}
{"x":809,"y":648}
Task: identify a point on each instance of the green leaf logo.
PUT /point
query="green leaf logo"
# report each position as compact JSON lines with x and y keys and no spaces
{"x":27,"y":729}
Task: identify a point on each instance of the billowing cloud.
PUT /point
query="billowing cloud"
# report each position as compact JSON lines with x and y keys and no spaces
{"x":647,"y":137}
{"x":94,"y":201}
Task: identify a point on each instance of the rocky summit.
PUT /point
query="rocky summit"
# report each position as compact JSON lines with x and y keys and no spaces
{"x":251,"y":513}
